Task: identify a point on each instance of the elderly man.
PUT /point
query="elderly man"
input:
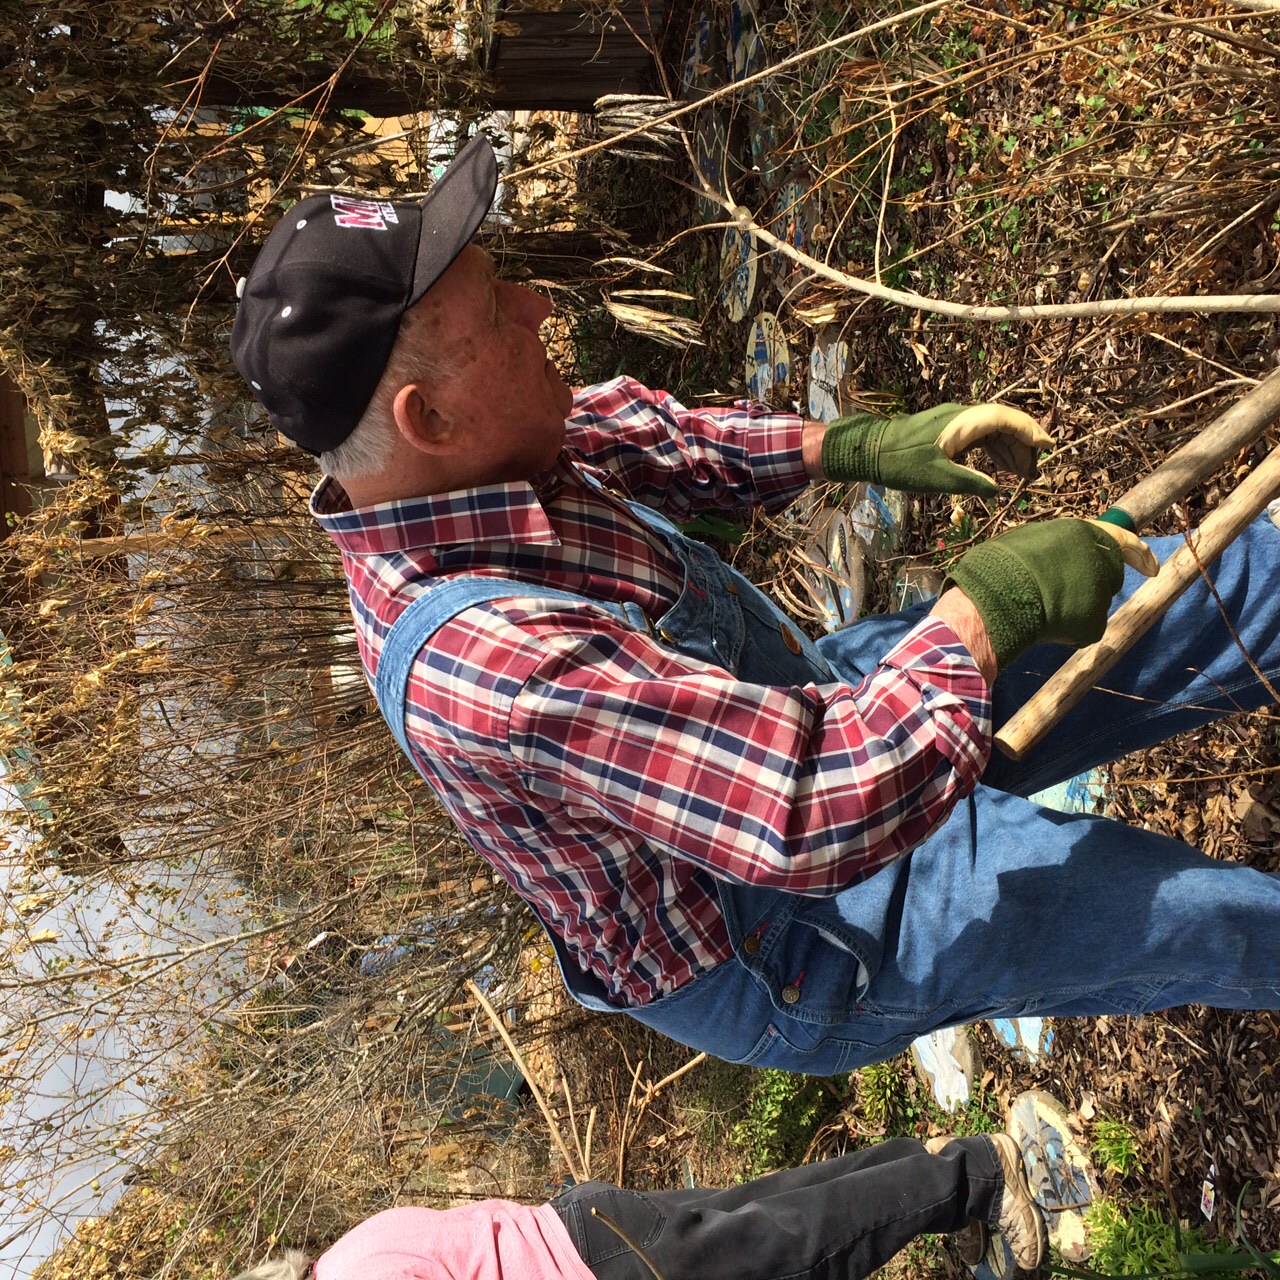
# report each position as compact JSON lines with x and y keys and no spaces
{"x":787,"y":854}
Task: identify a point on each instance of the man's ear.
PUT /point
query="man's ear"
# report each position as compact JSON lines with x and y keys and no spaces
{"x":419,"y":422}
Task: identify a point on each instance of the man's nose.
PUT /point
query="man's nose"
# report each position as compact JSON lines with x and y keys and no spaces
{"x":534,"y":307}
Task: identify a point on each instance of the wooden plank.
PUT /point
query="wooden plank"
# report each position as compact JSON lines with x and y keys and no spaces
{"x":565,"y":59}
{"x":21,"y":462}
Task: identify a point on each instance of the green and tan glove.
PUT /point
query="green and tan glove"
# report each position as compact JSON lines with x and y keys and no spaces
{"x":1048,"y":582}
{"x":914,"y":452}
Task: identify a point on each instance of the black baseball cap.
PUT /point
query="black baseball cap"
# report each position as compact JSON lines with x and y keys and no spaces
{"x":320,"y":309}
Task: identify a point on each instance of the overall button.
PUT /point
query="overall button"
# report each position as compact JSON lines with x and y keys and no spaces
{"x":789,"y":638}
{"x":664,"y":634}
{"x":730,"y":586}
{"x":751,"y":945}
{"x":790,"y":995}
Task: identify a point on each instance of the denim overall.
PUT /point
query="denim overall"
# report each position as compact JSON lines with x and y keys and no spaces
{"x":1007,"y":908}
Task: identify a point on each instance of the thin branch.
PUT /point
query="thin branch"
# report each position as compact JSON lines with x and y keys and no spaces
{"x":628,"y":1241}
{"x":1257,"y":303}
{"x":479,"y":996}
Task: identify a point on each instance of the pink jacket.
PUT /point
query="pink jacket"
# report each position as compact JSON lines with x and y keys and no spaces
{"x":489,"y":1240}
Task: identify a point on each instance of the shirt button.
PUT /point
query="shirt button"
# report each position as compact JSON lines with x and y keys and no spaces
{"x":790,"y":995}
{"x":751,"y":945}
{"x":789,"y":637}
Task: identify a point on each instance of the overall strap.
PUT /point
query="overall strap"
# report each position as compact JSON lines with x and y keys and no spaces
{"x":427,"y":614}
{"x":410,"y":632}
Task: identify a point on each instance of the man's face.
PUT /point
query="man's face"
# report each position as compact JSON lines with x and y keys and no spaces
{"x":500,"y":391}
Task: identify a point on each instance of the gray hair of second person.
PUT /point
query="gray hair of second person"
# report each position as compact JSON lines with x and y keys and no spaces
{"x":367,"y":450}
{"x":292,"y":1264}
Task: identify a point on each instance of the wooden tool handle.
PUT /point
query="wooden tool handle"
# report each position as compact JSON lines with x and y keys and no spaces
{"x":1150,"y":601}
{"x":1204,"y":453}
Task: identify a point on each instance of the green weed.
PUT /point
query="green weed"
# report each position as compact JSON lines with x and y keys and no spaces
{"x":1140,"y":1241}
{"x":881,"y":1087}
{"x":709,"y":525}
{"x":1116,"y":1146}
{"x":359,"y":19}
{"x":959,"y":47}
{"x":978,"y":1115}
{"x":712,"y":1108}
{"x":784,"y":1112}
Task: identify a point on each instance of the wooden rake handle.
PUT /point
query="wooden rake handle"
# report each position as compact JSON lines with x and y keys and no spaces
{"x":1153,"y":598}
{"x":1192,"y":464}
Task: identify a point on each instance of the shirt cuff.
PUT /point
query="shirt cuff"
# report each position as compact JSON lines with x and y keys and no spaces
{"x":935,"y":660}
{"x":777,"y":455}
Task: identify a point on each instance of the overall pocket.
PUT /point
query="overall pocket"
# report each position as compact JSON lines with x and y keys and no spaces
{"x":814,"y":975}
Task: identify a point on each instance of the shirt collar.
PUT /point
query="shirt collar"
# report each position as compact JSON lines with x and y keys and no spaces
{"x":510,"y":512}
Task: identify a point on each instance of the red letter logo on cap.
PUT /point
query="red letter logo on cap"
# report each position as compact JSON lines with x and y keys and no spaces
{"x":372,"y":215}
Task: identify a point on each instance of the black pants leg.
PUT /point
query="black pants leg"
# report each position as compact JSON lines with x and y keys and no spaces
{"x":835,"y":1220}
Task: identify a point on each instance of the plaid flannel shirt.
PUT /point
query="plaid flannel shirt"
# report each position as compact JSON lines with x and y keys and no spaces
{"x":609,"y":779}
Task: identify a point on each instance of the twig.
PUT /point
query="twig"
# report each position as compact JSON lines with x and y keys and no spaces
{"x":888,"y":179}
{"x":627,"y":1240}
{"x":579,"y":1174}
{"x":1223,"y":233}
{"x":735,"y":87}
{"x":629,"y":1126}
{"x":1165,"y":409}
{"x":1197,"y":355}
{"x":626,"y":1116}
{"x":586,"y":1142}
{"x":573,"y":1127}
{"x":1265,"y":303}
{"x":674,"y":1076}
{"x":1226,"y":618}
{"x":1204,"y":777}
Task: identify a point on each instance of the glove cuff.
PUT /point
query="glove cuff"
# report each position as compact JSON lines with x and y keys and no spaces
{"x":1006,"y":595}
{"x":851,"y":448}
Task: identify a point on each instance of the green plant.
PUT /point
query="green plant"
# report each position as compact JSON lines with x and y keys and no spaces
{"x":709,"y":525}
{"x":1139,"y":1241}
{"x":1116,"y":1146}
{"x":716,"y":1101}
{"x":979,"y":1115}
{"x":784,"y":1112}
{"x":358,"y":18}
{"x":1011,"y":223}
{"x":820,"y":118}
{"x":880,"y":1087}
{"x":959,"y":47}
{"x":923,"y":1256}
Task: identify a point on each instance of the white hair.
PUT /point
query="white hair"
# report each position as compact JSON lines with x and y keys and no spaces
{"x":293,"y":1264}
{"x":367,"y":450}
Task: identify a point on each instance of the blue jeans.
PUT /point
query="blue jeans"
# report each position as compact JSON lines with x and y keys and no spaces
{"x":1010,"y":908}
